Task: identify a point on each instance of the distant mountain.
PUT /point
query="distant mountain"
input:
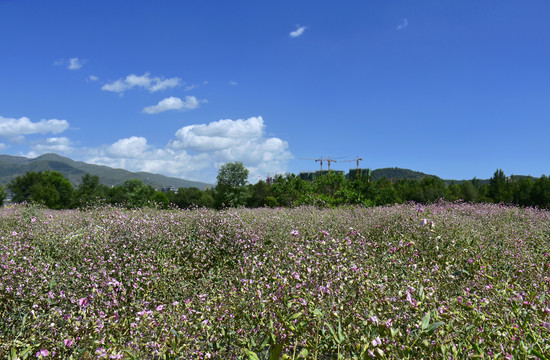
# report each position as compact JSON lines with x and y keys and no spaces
{"x":397,"y":174}
{"x":13,"y":166}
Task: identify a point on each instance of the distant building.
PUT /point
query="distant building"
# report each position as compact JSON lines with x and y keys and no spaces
{"x":310,"y":176}
{"x":169,"y":188}
{"x":351,"y":175}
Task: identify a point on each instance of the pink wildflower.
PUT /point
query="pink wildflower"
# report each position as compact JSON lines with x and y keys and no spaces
{"x":42,"y":353}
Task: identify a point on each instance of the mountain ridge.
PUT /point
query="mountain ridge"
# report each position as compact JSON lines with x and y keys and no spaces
{"x":13,"y":166}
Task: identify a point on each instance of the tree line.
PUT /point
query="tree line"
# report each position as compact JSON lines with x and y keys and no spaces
{"x":53,"y":190}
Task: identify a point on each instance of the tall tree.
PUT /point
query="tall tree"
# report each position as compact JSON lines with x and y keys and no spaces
{"x":90,"y":191}
{"x":231,"y":185}
{"x":499,"y":189}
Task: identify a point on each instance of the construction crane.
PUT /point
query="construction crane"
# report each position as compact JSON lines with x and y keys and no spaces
{"x":320,"y":160}
{"x":358,"y":159}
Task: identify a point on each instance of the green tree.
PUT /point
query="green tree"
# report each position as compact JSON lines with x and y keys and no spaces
{"x":257,"y":194}
{"x":386,"y":194}
{"x":433,"y":189}
{"x":365,"y":188}
{"x":408,"y":190}
{"x":160,"y":199}
{"x":231,"y":185}
{"x":50,"y":188}
{"x":521,"y":188}
{"x":90,"y":191}
{"x":499,"y":188}
{"x":469,"y":191}
{"x":187,"y":197}
{"x":329,"y":183}
{"x":116,"y":195}
{"x":290,"y":190}
{"x":540,"y":194}
{"x":136,"y":193}
{"x":3,"y":194}
{"x":454,"y":192}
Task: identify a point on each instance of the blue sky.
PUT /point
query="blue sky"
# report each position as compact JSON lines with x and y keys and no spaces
{"x":454,"y":89}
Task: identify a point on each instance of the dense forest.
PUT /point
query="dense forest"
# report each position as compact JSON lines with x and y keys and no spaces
{"x":53,"y":190}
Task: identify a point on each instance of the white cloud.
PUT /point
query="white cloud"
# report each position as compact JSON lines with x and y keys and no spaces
{"x":233,"y":83}
{"x":403,"y":24}
{"x":74,"y":64}
{"x":13,"y":128}
{"x":92,"y":78}
{"x":197,"y":151}
{"x":54,"y":144}
{"x":131,"y":147}
{"x":165,"y":84}
{"x":299,"y":31}
{"x":144,"y":81}
{"x":173,"y":103}
{"x":118,"y":86}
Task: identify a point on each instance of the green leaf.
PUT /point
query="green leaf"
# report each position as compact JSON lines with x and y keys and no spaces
{"x":536,"y":353}
{"x":434,"y":326}
{"x":251,"y":355}
{"x":276,"y":352}
{"x":25,"y":353}
{"x":130,"y":355}
{"x":331,"y":329}
{"x":340,"y":334}
{"x":426,"y":321}
{"x":303,"y":353}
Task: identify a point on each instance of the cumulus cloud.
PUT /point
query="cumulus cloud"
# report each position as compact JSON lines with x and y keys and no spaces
{"x":153,"y":84}
{"x":403,"y":24}
{"x":13,"y":128}
{"x":197,"y":151}
{"x":92,"y":78}
{"x":299,"y":31}
{"x":173,"y":103}
{"x":132,"y":147}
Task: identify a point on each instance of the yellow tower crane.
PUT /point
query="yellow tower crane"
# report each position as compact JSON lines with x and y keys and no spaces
{"x":358,"y":159}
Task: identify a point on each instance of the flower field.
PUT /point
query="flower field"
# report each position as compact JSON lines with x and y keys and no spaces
{"x":449,"y":281}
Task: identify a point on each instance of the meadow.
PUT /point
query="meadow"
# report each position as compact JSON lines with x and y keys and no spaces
{"x":443,"y":281}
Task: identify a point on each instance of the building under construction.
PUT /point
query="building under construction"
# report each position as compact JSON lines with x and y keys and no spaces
{"x":351,"y":175}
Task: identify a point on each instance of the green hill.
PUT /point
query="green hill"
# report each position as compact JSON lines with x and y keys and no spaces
{"x":13,"y":166}
{"x":397,"y":174}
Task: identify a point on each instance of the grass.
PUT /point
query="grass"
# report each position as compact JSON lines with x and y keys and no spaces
{"x":449,"y":281}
